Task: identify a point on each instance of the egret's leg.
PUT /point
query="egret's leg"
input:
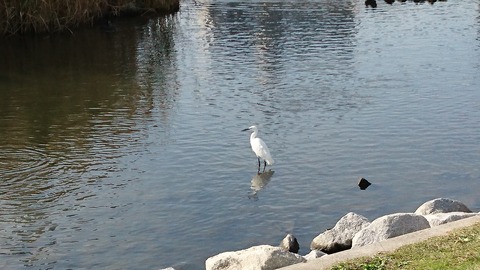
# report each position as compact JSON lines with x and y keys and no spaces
{"x":264,"y":165}
{"x":258,"y":164}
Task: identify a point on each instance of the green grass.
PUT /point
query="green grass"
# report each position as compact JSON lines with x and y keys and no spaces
{"x":459,"y":249}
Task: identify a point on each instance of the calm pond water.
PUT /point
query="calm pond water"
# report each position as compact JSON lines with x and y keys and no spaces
{"x":123,"y":150}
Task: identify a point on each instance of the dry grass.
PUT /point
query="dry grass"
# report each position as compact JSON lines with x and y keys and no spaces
{"x":21,"y":16}
{"x":457,"y":250}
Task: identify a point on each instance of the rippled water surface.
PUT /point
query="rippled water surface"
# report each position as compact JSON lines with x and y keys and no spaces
{"x":123,"y":150}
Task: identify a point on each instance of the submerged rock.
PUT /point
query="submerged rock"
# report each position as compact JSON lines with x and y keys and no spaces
{"x":371,"y":3}
{"x":363,"y":183}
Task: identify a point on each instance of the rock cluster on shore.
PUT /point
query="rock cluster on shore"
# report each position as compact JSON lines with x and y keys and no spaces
{"x":351,"y":231}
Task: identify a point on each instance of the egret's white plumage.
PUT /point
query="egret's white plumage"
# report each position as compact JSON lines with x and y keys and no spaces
{"x":259,"y":148}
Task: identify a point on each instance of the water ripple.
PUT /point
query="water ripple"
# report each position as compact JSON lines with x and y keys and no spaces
{"x":17,"y":163}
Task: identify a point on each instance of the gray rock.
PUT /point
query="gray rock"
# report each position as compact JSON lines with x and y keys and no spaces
{"x":340,"y":237}
{"x":314,"y":254}
{"x":262,"y":257}
{"x":290,"y":243}
{"x":389,"y":226}
{"x":442,"y":218}
{"x":441,"y":205}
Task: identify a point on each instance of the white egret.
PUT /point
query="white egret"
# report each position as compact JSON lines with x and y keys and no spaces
{"x":259,"y":148}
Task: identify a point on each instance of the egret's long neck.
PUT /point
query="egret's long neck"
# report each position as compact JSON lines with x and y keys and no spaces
{"x":253,"y":135}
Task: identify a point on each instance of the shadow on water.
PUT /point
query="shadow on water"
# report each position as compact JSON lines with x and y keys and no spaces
{"x":52,"y":82}
{"x":259,"y":182}
{"x":69,"y":106}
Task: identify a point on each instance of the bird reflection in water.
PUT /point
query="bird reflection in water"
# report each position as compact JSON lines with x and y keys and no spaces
{"x":259,"y":181}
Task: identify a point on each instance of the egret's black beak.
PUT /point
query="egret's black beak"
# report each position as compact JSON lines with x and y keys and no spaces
{"x":245,"y":129}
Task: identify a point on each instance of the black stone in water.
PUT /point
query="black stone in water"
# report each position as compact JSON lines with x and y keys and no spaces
{"x":371,"y":3}
{"x":363,"y":183}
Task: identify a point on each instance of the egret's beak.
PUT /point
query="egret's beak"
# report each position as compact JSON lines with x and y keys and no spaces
{"x":245,"y":129}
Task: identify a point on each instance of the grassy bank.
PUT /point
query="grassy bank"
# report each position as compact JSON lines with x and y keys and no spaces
{"x":459,"y":249}
{"x":37,"y":16}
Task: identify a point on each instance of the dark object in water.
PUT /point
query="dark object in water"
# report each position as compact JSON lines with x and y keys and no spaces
{"x":363,"y":183}
{"x":107,"y":26}
{"x":371,"y":3}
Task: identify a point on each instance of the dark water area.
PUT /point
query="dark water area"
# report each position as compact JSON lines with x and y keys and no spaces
{"x":122,"y":149}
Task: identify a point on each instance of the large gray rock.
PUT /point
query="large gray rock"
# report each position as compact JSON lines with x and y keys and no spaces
{"x":442,"y":218}
{"x":441,"y":205}
{"x":389,"y":226}
{"x":290,"y":243}
{"x":264,"y":257}
{"x":340,"y":237}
